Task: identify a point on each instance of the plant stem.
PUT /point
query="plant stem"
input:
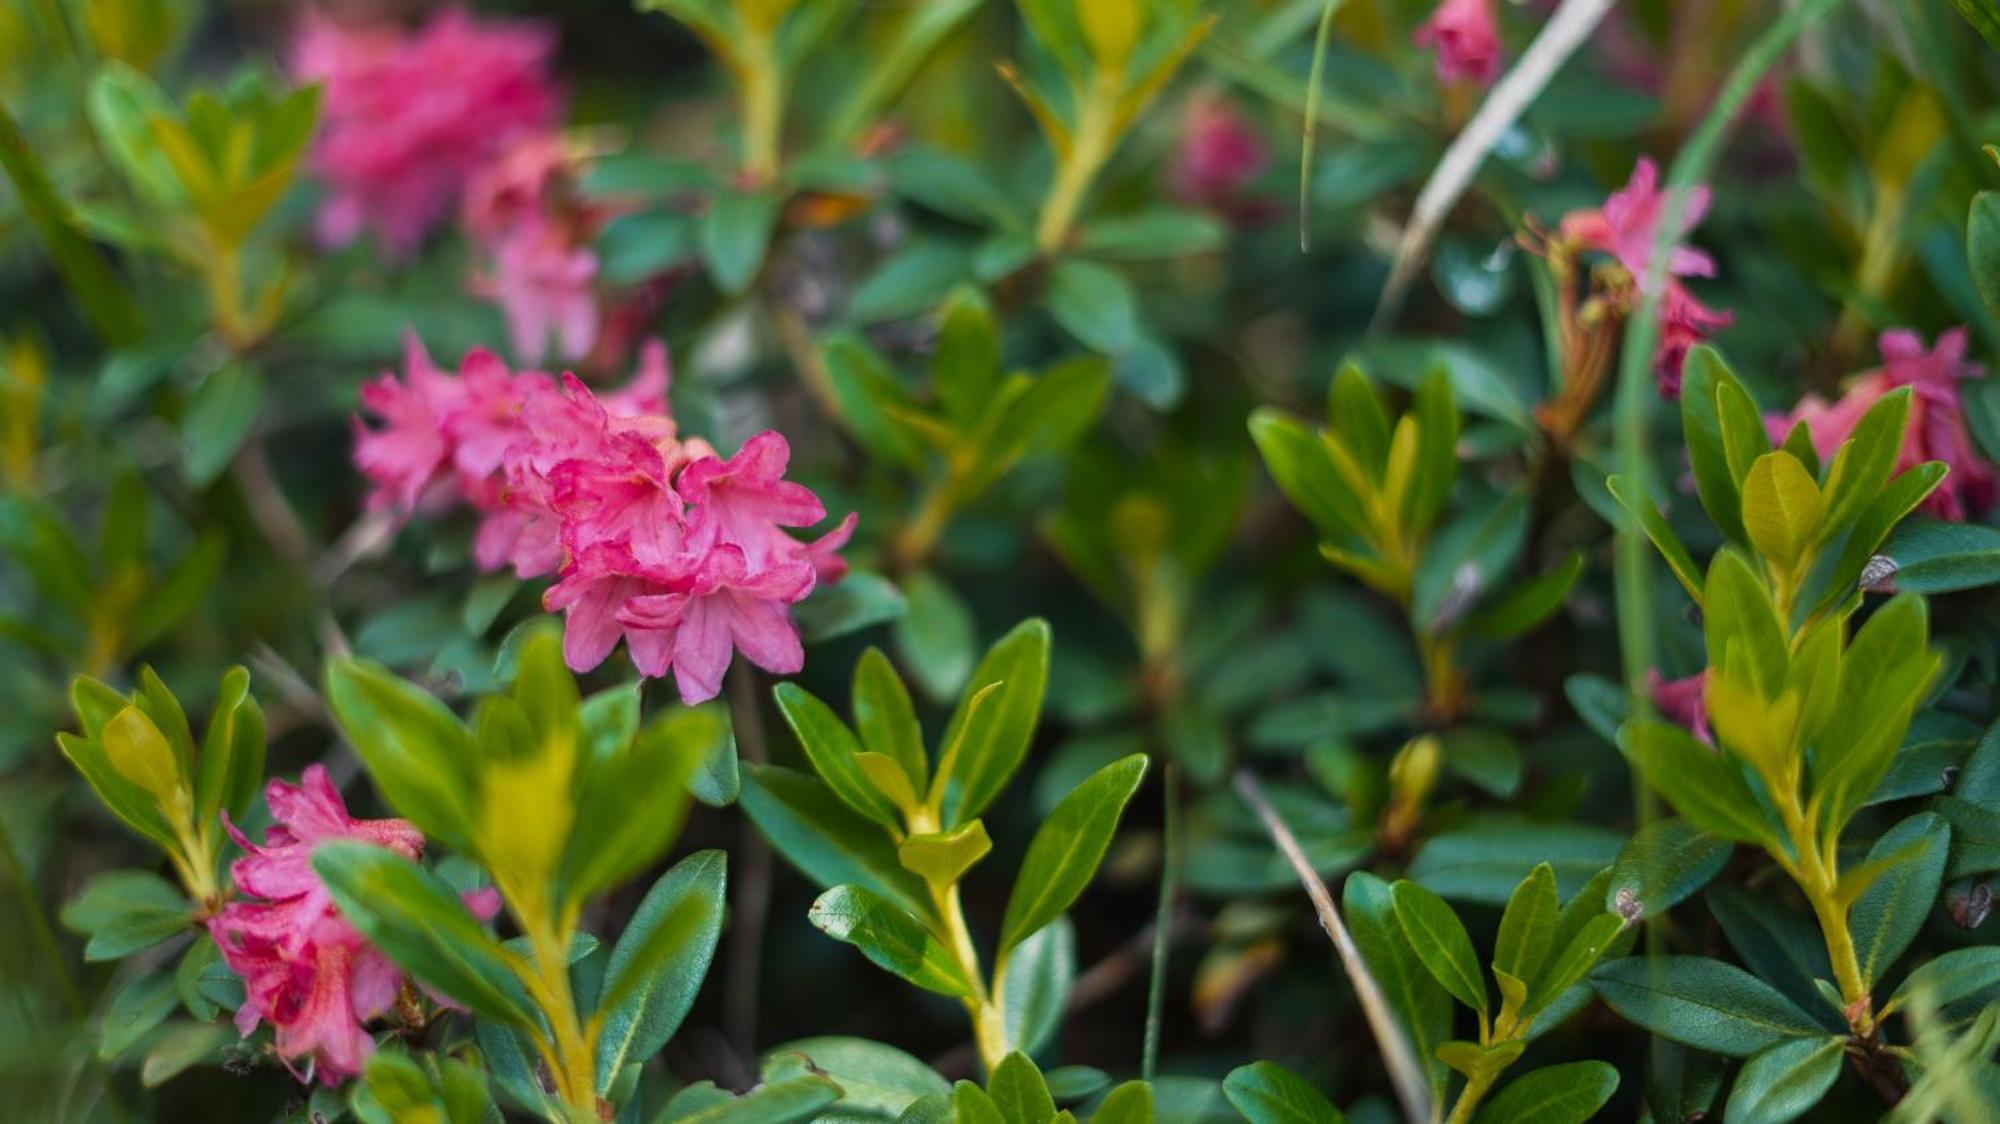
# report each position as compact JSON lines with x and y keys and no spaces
{"x":38,"y":922}
{"x":1163,"y":917}
{"x":1469,"y":1098}
{"x":1817,"y":874}
{"x":1444,"y":687}
{"x":1089,"y":149}
{"x":575,"y":1070}
{"x":989,"y":1026}
{"x":914,"y":543}
{"x":763,"y":107}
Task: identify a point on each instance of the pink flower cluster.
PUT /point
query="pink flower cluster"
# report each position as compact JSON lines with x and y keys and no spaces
{"x":1466,"y":36}
{"x":1937,"y":429}
{"x":1626,"y":229}
{"x":653,"y":538}
{"x":524,"y":218}
{"x":305,"y":969}
{"x":408,"y":116}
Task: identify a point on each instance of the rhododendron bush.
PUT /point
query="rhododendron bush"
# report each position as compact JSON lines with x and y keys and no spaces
{"x":1002,"y":562}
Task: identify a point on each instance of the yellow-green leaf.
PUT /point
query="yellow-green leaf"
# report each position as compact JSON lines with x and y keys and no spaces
{"x":1782,"y":508}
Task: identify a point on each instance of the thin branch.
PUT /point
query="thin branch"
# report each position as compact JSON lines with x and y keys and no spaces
{"x":1566,"y":30}
{"x":752,"y":905}
{"x":1401,"y":1061}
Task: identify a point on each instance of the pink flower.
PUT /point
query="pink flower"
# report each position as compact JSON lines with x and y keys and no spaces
{"x":1466,"y":37}
{"x":407,"y":116}
{"x":1217,"y":156}
{"x":1684,"y":322}
{"x":547,"y":288}
{"x":1626,"y":228}
{"x":1680,"y":701}
{"x":305,"y":970}
{"x":1937,"y":429}
{"x":1629,"y":223}
{"x":655,"y":539}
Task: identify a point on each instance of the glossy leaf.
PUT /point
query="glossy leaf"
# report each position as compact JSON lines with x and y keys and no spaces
{"x":891,"y":938}
{"x":1064,"y":854}
{"x":1441,"y":943}
{"x":659,"y":962}
{"x":1701,"y":1003}
{"x":1268,"y":1093}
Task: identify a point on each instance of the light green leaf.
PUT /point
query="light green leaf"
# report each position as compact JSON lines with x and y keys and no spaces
{"x":1441,"y":943}
{"x":1064,"y":854}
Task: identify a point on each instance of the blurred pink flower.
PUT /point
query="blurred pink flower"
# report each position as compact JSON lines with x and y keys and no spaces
{"x":655,"y":538}
{"x":1466,"y":36}
{"x":1217,"y":155}
{"x":1629,"y":223}
{"x":1680,"y":701}
{"x":547,"y":288}
{"x":305,"y":969}
{"x":408,"y":116}
{"x":525,"y":219}
{"x":1684,"y":322}
{"x":1937,"y":429}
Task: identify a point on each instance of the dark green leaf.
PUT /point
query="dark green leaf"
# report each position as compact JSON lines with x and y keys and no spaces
{"x":993,"y":746}
{"x":1268,"y":1093}
{"x":1064,"y":854}
{"x":1701,"y":1003}
{"x":218,"y":420}
{"x":1888,"y":915}
{"x":1557,"y":1094}
{"x":659,"y":962}
{"x":1783,"y":1081}
{"x":891,"y":938}
{"x":1666,"y":863}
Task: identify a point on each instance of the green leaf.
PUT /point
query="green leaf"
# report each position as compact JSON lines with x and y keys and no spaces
{"x":1701,"y":424}
{"x":1152,"y":234}
{"x":1866,"y":460}
{"x":1064,"y":854}
{"x":1268,"y":1093}
{"x":1779,"y":946}
{"x":417,"y":752}
{"x":832,"y":749}
{"x":973,"y":1105}
{"x":967,"y":362}
{"x":876,"y":1081}
{"x":991,"y":749}
{"x":1932,"y":556}
{"x":103,"y":297}
{"x":943,"y":857}
{"x":734,"y":236}
{"x":1982,"y":225}
{"x":1783,"y":1081}
{"x":1298,"y":461}
{"x":142,"y":1004}
{"x":1701,"y":1003}
{"x":1885,"y":673}
{"x":1747,"y":643}
{"x":181,"y":1045}
{"x":232,"y":752}
{"x":1441,"y":943}
{"x":1527,"y":605}
{"x":1890,"y":913}
{"x":886,"y":719}
{"x":218,"y":420}
{"x":1557,"y":1094}
{"x":1484,"y":860}
{"x":1573,"y":960}
{"x":827,"y":841}
{"x":1423,"y":1006}
{"x":1704,"y":786}
{"x":1132,"y":1103}
{"x":1949,"y":977}
{"x":632,"y":802}
{"x":935,"y":634}
{"x":791,"y":1101}
{"x":1782,"y":508}
{"x":1035,"y":988}
{"x":1095,"y":305}
{"x":1666,"y":863}
{"x":1528,"y":926}
{"x":1018,"y":1090}
{"x":891,"y":938}
{"x":422,"y":925}
{"x":125,"y":911}
{"x":656,"y":969}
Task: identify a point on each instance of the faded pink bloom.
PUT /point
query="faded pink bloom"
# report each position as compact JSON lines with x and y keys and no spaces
{"x":526,"y":220}
{"x":1626,"y":229}
{"x":1937,"y":429}
{"x":408,"y":116}
{"x":1680,"y":701}
{"x":305,"y":969}
{"x":655,"y":539}
{"x":1466,"y":36}
{"x":547,"y":288}
{"x":1629,"y":223}
{"x":1684,"y":322}
{"x":1217,"y":156}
